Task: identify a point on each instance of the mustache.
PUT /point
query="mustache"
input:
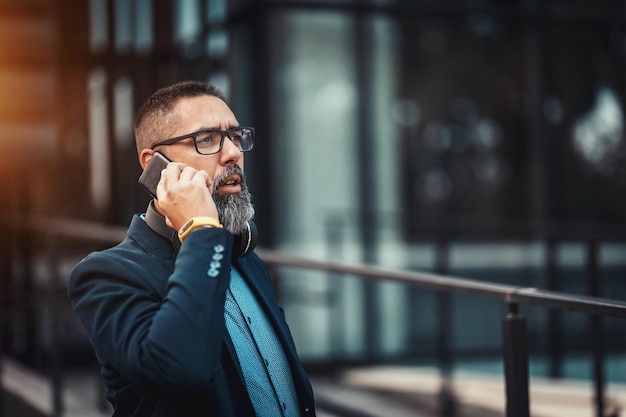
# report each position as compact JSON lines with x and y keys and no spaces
{"x":229,"y":171}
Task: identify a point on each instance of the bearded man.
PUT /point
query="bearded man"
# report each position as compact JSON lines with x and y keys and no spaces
{"x":183,"y":322}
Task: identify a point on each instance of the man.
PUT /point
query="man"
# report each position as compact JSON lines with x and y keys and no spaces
{"x":182,"y":326}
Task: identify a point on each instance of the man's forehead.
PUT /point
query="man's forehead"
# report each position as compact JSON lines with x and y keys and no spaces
{"x":204,"y":100}
{"x":203,"y":112}
{"x":202,"y":105}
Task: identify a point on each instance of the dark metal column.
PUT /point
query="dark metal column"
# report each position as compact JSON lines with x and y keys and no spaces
{"x":597,"y":340}
{"x":5,"y":283}
{"x":447,"y":402}
{"x":112,"y":214}
{"x":255,"y":75}
{"x":515,"y":352}
{"x":25,"y":339}
{"x":52,"y":307}
{"x":368,"y":221}
{"x":555,"y":327}
{"x":7,"y":280}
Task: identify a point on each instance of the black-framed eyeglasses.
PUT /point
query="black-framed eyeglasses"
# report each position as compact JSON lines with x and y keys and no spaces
{"x":210,"y":141}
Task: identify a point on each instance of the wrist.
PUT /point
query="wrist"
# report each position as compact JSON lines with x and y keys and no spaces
{"x":196,"y":222}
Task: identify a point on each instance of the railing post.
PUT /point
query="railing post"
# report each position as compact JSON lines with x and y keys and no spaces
{"x":515,"y":352}
{"x":5,"y":276}
{"x":52,"y":302}
{"x":447,"y":398}
{"x":556,"y":348}
{"x":597,"y":336}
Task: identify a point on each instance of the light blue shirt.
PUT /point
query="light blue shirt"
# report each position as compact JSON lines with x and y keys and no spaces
{"x":262,"y":358}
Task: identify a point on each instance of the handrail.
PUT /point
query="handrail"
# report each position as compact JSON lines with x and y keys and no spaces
{"x":506,"y":293}
{"x":91,"y":231}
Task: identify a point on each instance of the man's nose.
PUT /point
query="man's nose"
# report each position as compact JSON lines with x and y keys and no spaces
{"x":230,"y":152}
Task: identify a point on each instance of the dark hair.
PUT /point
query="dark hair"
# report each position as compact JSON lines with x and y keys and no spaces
{"x":154,"y":117}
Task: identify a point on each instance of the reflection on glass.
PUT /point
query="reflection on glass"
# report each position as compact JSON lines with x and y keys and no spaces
{"x":598,"y":134}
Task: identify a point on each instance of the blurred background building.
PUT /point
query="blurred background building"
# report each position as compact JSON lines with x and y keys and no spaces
{"x":477,"y":138}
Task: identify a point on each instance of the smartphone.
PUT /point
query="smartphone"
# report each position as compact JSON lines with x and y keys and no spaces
{"x":150,"y":177}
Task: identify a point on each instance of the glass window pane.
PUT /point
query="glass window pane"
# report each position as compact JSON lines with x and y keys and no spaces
{"x":123,"y":26}
{"x":144,"y":22}
{"x":99,"y":35}
{"x":216,"y":11}
{"x":187,"y":23}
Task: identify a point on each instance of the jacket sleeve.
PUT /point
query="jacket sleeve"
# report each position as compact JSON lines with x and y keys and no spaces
{"x":170,"y":339}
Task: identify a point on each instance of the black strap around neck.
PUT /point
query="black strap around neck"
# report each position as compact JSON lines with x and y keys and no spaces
{"x":156,"y":222}
{"x":243,"y":243}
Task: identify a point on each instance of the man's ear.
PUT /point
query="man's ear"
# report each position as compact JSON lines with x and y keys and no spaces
{"x":145,"y":157}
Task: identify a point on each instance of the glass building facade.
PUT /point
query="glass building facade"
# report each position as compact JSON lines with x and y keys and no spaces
{"x":477,"y":138}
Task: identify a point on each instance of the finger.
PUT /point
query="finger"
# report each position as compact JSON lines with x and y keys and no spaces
{"x":203,"y":176}
{"x":176,"y":165}
{"x":187,"y":173}
{"x":169,"y":177}
{"x":170,"y":173}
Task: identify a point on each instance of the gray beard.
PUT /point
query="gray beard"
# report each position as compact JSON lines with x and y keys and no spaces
{"x":234,"y":209}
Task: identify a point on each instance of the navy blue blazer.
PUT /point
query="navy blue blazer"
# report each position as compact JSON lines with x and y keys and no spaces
{"x":156,"y":322}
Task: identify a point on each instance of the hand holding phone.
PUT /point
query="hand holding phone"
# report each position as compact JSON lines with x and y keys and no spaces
{"x":187,"y":193}
{"x":151,"y":175}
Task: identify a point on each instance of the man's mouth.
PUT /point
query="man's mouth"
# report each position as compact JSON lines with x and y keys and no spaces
{"x":230,"y":185}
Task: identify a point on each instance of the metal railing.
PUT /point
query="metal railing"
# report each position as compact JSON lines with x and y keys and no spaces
{"x":514,"y":329}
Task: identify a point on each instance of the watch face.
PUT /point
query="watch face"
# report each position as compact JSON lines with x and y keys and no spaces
{"x":185,"y":227}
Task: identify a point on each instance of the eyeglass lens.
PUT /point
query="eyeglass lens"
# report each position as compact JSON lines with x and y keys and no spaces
{"x":209,"y":142}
